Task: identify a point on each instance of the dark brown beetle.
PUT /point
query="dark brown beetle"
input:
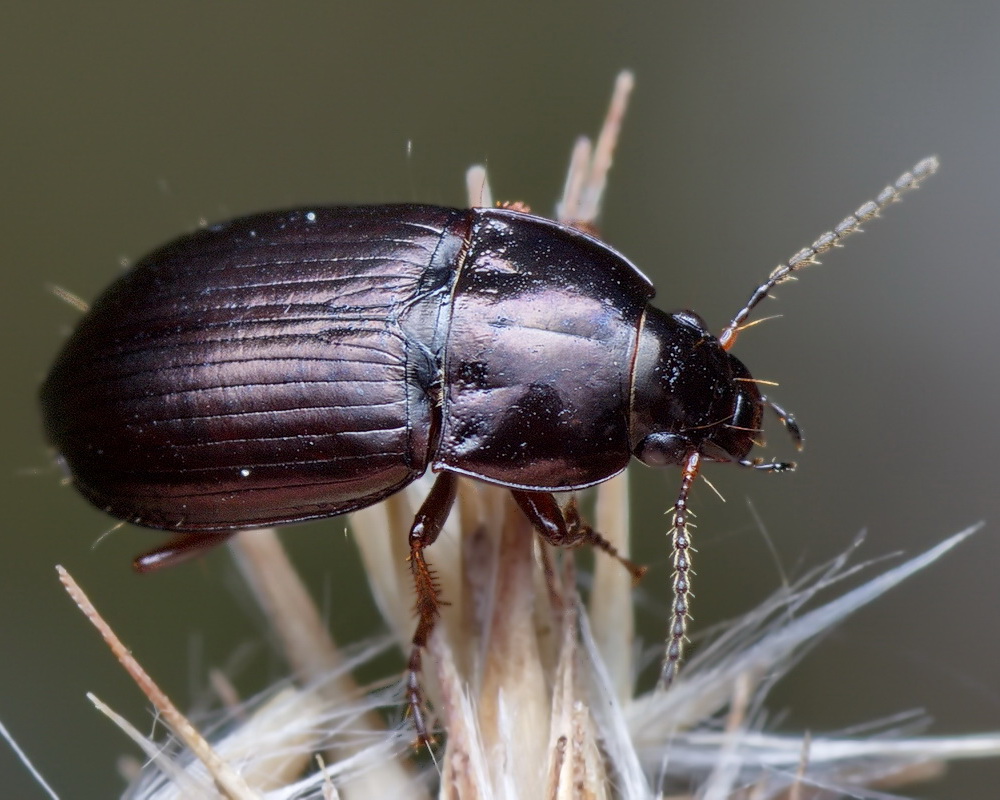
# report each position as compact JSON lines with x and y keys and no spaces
{"x":302,"y":364}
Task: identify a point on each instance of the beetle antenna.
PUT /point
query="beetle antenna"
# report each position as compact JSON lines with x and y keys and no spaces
{"x":677,"y":635}
{"x":809,"y":255}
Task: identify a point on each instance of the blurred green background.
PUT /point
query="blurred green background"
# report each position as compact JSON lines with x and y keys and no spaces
{"x":753,"y":128}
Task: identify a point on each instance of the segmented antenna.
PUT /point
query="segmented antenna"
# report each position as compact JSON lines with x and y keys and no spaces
{"x":809,"y":255}
{"x":680,"y":530}
{"x":679,"y":615}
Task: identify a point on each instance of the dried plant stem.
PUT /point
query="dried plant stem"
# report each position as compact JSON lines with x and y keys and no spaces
{"x":577,"y":766}
{"x":312,"y":653}
{"x":589,"y":166}
{"x":513,"y":697}
{"x":290,"y":611}
{"x":230,"y":784}
{"x":612,"y":615}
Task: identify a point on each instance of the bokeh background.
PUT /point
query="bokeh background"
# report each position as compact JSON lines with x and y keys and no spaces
{"x":753,"y":128}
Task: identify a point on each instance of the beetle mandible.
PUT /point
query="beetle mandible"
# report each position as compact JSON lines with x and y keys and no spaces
{"x":305,"y":363}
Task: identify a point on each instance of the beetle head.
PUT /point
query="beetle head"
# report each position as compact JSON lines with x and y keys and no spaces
{"x":689,"y":395}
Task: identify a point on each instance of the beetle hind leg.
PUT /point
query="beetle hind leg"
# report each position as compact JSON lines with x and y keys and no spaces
{"x":424,"y":532}
{"x":180,"y":548}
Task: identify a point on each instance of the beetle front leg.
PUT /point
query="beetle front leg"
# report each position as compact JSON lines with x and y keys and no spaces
{"x":567,"y":529}
{"x":424,"y":532}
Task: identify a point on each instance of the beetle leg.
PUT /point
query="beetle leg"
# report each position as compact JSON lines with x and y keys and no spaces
{"x":547,"y":518}
{"x":786,"y":419}
{"x":181,"y":548}
{"x":768,"y":466}
{"x":426,"y":526}
{"x":567,"y":529}
{"x":594,"y":539}
{"x":682,"y":572}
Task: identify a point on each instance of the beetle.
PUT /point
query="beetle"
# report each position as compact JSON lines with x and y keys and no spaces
{"x":306,"y":363}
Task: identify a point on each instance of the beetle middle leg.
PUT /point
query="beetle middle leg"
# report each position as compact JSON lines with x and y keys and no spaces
{"x":566,"y":528}
{"x":426,"y":526}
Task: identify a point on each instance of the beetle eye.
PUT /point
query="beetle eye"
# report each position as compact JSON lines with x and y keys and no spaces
{"x":691,"y":319}
{"x":664,"y":449}
{"x":747,"y":411}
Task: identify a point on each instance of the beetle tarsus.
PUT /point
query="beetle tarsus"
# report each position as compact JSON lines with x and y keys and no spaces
{"x":415,"y":700}
{"x":598,"y":542}
{"x":768,"y":466}
{"x":566,"y":528}
{"x":787,"y":420}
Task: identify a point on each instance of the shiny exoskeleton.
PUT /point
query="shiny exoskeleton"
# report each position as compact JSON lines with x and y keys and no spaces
{"x":302,"y":364}
{"x":306,"y":363}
